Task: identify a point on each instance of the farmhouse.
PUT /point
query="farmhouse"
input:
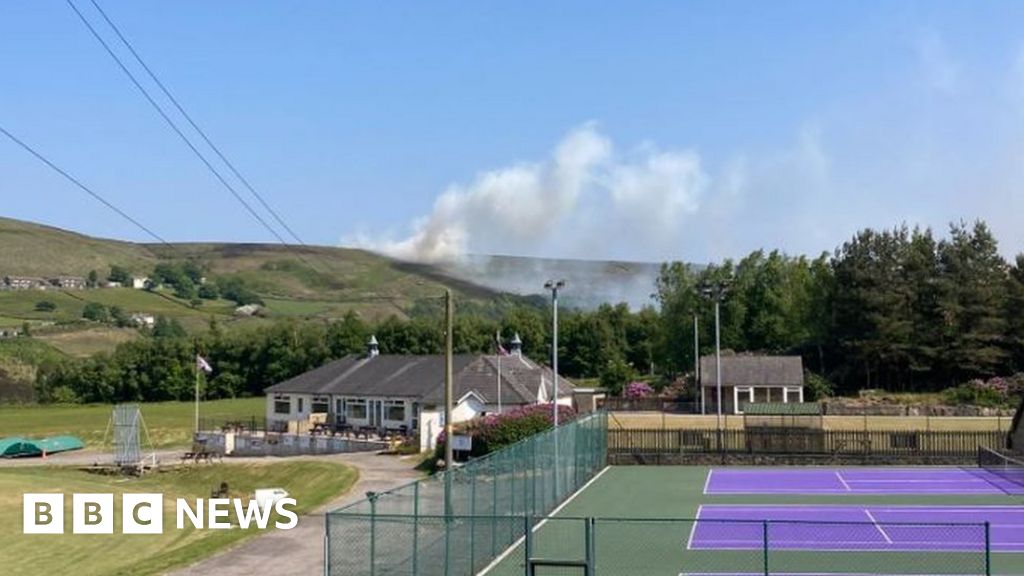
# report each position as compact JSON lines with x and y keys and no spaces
{"x":69,"y":282}
{"x":140,"y":282}
{"x":749,"y":378}
{"x":405,"y":393}
{"x":24,"y":283}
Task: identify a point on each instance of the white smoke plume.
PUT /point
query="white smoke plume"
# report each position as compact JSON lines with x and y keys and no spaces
{"x":580,"y":194}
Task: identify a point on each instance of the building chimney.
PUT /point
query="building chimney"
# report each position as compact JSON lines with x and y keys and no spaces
{"x":516,"y":346}
{"x":372,"y":348}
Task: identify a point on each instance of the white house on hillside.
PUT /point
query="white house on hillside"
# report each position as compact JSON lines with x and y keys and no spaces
{"x":406,"y":392}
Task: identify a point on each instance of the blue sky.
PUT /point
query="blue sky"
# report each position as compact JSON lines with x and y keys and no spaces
{"x":642,"y":131}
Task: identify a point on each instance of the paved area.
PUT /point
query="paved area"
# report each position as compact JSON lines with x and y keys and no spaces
{"x":301,"y":550}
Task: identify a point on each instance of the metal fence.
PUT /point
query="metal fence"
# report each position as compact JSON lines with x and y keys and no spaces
{"x":458,"y":522}
{"x":655,"y":441}
{"x":512,"y":545}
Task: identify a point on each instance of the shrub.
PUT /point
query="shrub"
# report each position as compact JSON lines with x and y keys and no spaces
{"x":638,"y":390}
{"x":495,"y":431}
{"x":45,"y":306}
{"x":816,"y":386}
{"x":95,"y":311}
{"x":992,"y":393}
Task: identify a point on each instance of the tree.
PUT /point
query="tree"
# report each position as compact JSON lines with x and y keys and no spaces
{"x":119,"y":274}
{"x":120,"y":318}
{"x":164,"y":327}
{"x":45,"y":306}
{"x":1015,"y":314}
{"x":972,"y":301}
{"x":93,"y":279}
{"x":95,"y":311}
{"x":209,"y":291}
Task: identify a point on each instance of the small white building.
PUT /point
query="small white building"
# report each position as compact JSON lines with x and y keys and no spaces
{"x":143,"y":320}
{"x":748,"y":378}
{"x":405,"y":393}
{"x":140,"y":282}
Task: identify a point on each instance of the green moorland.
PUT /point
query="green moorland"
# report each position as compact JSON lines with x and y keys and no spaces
{"x":311,"y":483}
{"x":332,"y":280}
{"x":169,"y":424}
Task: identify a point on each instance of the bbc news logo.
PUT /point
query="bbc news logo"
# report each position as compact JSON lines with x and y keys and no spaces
{"x":144,"y":513}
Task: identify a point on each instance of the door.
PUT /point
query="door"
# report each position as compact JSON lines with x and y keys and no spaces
{"x":375,"y":407}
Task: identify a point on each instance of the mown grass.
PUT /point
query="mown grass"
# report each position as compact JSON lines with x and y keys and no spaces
{"x":169,"y":424}
{"x":311,"y":483}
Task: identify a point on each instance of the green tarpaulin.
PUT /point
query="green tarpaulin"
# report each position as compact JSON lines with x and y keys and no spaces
{"x":15,"y":447}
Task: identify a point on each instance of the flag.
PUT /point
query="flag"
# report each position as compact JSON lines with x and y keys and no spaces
{"x":202,"y":364}
{"x":497,"y":342}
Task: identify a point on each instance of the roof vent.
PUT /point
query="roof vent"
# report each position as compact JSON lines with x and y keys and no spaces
{"x":372,"y":347}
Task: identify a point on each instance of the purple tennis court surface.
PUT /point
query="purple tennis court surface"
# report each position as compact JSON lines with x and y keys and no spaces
{"x":856,"y":481}
{"x":858,"y":527}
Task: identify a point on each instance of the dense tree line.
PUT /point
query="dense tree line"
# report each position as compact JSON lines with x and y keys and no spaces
{"x":896,"y":309}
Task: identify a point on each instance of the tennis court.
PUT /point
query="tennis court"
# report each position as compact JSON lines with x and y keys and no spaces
{"x":859,"y":527}
{"x":548,"y":506}
{"x":922,"y":480}
{"x":680,"y":520}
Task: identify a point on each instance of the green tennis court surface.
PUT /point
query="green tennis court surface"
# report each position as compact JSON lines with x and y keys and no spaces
{"x":643,"y":523}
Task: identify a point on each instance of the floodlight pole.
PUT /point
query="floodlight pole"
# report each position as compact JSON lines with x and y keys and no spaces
{"x":716,"y":292}
{"x":718,"y":362}
{"x":696,"y":362}
{"x":554,"y":286}
{"x":449,"y":311}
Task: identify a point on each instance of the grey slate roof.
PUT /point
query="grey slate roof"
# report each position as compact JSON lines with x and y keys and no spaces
{"x":422,"y":378}
{"x":749,"y":370}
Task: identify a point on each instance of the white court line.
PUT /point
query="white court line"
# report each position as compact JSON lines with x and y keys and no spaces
{"x":843,"y":482}
{"x":689,"y":541}
{"x":516,"y":544}
{"x":962,"y":508}
{"x":707,"y":481}
{"x":875,"y":522}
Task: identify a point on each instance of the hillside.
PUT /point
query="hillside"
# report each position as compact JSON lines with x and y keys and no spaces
{"x":324,"y":283}
{"x":304,"y":282}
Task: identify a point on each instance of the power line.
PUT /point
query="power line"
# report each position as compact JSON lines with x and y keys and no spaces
{"x":195,"y":126}
{"x":181,"y":134}
{"x":85,"y":188}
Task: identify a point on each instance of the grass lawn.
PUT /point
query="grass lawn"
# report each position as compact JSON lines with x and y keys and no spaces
{"x":89,"y":341}
{"x":310,"y":483}
{"x":169,"y":423}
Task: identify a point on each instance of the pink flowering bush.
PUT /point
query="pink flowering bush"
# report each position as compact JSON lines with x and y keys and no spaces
{"x":995,"y":391}
{"x":495,"y":431}
{"x":638,"y":390}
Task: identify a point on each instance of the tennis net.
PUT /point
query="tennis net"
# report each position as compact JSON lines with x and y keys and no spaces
{"x":1009,"y":470}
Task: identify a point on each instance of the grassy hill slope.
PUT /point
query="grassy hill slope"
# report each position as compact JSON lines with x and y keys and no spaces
{"x":319,"y":281}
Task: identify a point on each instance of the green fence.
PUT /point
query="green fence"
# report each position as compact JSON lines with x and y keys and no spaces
{"x":564,"y":546}
{"x":458,"y":522}
{"x":962,"y":444}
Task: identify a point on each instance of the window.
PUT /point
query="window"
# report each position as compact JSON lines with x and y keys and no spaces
{"x":282,"y":405}
{"x":394,"y":411}
{"x":357,"y":409}
{"x":339,"y":406}
{"x":321,"y":405}
{"x":300,"y":405}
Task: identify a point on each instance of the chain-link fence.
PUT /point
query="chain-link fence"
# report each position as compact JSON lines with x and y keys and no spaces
{"x":458,"y":522}
{"x":570,"y":546}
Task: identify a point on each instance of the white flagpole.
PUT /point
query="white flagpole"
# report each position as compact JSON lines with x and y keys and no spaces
{"x":195,"y":366}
